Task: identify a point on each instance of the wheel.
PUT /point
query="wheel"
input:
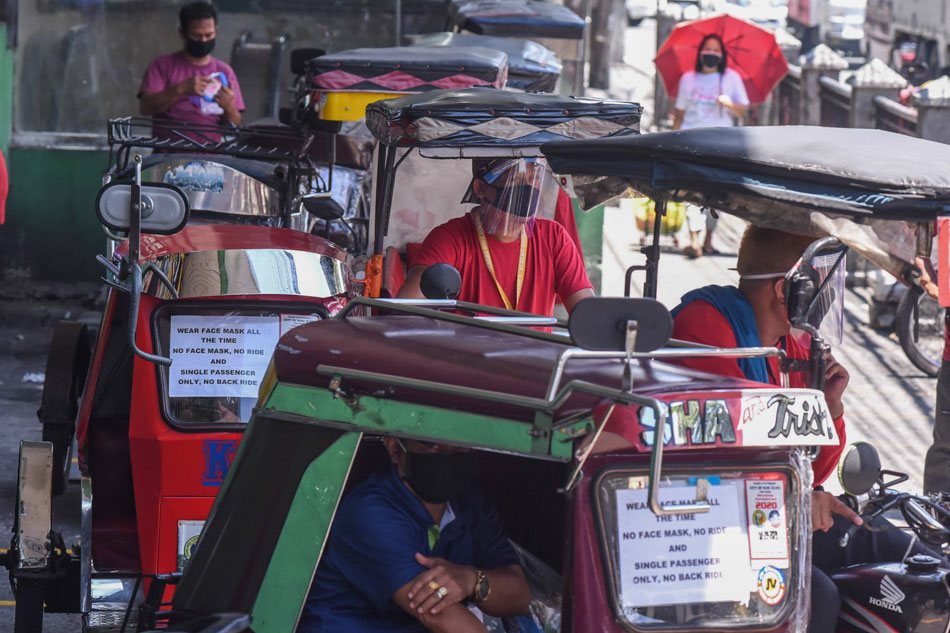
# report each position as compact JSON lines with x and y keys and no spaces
{"x":921,"y":339}
{"x":66,"y":367}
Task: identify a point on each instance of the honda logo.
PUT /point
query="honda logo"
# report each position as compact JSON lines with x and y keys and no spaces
{"x":891,"y":596}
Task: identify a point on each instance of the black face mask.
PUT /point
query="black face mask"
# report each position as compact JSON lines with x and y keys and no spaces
{"x":198,"y":48}
{"x":439,"y":477}
{"x":710,"y":60}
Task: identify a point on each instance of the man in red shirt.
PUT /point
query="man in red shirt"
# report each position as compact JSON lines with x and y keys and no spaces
{"x":753,"y":315}
{"x":507,"y":257}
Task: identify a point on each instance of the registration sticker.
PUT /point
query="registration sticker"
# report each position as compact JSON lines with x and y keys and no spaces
{"x":188,"y":534}
{"x":290,"y":321}
{"x":770,"y":585}
{"x":768,"y":527}
{"x":685,"y":558}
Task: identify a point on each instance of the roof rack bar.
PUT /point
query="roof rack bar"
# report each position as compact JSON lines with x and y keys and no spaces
{"x":451,"y":317}
{"x":660,"y":354}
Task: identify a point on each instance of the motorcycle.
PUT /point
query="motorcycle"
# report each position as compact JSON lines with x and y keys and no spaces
{"x":910,"y":596}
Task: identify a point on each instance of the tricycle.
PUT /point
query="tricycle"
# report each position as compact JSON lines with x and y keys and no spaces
{"x":661,"y":497}
{"x":157,"y":431}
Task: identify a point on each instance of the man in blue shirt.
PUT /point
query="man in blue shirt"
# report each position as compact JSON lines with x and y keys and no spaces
{"x":411,"y":546}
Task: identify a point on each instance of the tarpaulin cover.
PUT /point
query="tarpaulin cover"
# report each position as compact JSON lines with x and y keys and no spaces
{"x":520,"y":18}
{"x":866,"y":187}
{"x":531,"y":67}
{"x":485,"y":117}
{"x":409,"y":69}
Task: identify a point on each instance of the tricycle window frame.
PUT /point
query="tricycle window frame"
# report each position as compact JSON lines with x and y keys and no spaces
{"x":793,"y":479}
{"x":162,"y":314}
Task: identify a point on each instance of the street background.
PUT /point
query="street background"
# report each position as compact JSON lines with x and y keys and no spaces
{"x":889,"y":402}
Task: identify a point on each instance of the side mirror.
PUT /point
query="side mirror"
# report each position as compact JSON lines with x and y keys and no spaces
{"x":300,"y":56}
{"x":323,"y":206}
{"x":859,"y":468}
{"x":440,"y":281}
{"x":609,"y":323}
{"x":164,"y":207}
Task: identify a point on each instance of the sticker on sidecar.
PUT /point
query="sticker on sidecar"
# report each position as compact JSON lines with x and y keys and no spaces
{"x":768,"y":528}
{"x":770,"y":585}
{"x":188,"y":535}
{"x":220,"y":356}
{"x":684,"y":558}
{"x":791,"y":417}
{"x":199,"y":176}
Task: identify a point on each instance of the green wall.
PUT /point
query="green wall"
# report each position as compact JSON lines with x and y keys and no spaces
{"x":51,"y":231}
{"x":6,"y":89}
{"x":590,"y":228}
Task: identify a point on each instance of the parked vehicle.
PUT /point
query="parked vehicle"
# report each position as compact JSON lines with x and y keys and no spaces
{"x":909,"y":595}
{"x":493,"y":385}
{"x":920,"y":329}
{"x":837,"y":23}
{"x":910,"y":34}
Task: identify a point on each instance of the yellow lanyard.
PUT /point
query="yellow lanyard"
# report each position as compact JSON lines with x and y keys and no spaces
{"x":486,"y":255}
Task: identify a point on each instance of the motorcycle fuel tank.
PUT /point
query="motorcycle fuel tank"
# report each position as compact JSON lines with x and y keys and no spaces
{"x":910,"y":597}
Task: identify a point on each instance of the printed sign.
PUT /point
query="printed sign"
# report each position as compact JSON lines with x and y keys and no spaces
{"x":188,"y":534}
{"x":290,"y":321}
{"x":685,"y":558}
{"x":768,"y":531}
{"x":220,"y":356}
{"x":791,"y":417}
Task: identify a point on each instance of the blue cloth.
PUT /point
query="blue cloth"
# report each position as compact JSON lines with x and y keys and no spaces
{"x":371,"y":550}
{"x":738,"y":312}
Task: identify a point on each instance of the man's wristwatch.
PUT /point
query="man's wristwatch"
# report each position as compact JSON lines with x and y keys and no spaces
{"x":482,"y":587}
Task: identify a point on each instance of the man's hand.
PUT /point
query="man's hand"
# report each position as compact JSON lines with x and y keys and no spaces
{"x":836,"y":381}
{"x":823,"y":505}
{"x":225,"y":98}
{"x":193,"y":86}
{"x":459,"y":581}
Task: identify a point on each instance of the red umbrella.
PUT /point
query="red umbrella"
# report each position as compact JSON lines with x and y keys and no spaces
{"x":750,"y":50}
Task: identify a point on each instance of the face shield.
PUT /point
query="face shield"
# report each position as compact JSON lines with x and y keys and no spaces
{"x":814,"y":295}
{"x":509,"y":193}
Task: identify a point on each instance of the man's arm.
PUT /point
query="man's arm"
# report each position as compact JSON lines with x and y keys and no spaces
{"x":152,"y":103}
{"x":454,"y":618}
{"x":583,"y":293}
{"x":509,"y":595}
{"x":411,"y":289}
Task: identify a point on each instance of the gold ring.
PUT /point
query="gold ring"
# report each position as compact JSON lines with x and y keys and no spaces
{"x":433,"y":585}
{"x":441,"y":592}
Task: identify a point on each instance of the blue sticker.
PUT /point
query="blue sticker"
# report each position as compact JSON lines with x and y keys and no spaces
{"x":218,"y":456}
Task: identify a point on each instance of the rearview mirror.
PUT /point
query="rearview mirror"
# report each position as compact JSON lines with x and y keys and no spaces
{"x":859,"y":468}
{"x":323,"y":206}
{"x":300,"y":56}
{"x":601,"y":323}
{"x":164,"y":207}
{"x":440,"y":281}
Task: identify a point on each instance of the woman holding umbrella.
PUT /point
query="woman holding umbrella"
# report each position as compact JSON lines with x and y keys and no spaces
{"x":712,"y":95}
{"x":714,"y":68}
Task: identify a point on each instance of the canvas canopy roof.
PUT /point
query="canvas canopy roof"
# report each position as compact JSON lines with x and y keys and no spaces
{"x":409,"y":69}
{"x":531,"y":67}
{"x":481,"y":117}
{"x":520,"y":18}
{"x":851,"y":183}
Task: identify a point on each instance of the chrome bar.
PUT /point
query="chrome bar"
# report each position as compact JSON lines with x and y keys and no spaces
{"x":470,"y":307}
{"x":656,"y":467}
{"x":536,"y":321}
{"x":660,"y":354}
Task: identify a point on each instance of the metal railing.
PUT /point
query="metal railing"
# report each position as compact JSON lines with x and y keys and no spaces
{"x":835,"y":100}
{"x":894,"y":117}
{"x":789,"y":97}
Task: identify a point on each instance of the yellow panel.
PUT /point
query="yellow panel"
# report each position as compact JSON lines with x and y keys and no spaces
{"x":351,"y":106}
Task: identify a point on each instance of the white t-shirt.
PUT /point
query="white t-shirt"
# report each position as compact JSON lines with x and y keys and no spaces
{"x":698,"y":97}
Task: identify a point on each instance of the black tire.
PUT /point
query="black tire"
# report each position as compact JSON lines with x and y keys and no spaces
{"x":66,"y":368}
{"x":922,"y":341}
